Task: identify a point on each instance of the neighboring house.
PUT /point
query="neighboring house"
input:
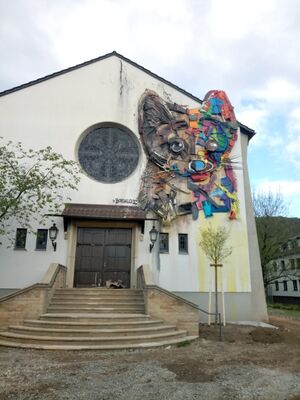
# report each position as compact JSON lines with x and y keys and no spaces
{"x":150,"y":159}
{"x":286,"y":271}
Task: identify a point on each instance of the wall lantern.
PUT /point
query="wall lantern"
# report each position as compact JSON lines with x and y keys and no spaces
{"x":53,"y":231}
{"x":153,"y":237}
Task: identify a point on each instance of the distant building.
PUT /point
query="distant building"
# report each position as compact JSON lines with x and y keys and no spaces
{"x":285,"y":267}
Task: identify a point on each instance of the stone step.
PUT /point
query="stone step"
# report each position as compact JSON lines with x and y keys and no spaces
{"x":99,"y":291}
{"x":114,"y":324}
{"x":89,"y":304}
{"x":90,"y":309}
{"x":94,"y":318}
{"x":91,"y":332}
{"x":74,"y":298}
{"x":87,"y":340}
{"x":103,"y":347}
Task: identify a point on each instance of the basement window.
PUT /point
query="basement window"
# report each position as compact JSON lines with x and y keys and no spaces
{"x":183,"y":243}
{"x":163,"y":242}
{"x":41,"y":239}
{"x":20,"y":242}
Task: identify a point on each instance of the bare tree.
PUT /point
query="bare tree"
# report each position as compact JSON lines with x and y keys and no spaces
{"x":269,"y":204}
{"x":271,"y":229}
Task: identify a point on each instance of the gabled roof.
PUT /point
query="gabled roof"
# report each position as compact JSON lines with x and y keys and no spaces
{"x":94,"y":60}
{"x":244,"y":129}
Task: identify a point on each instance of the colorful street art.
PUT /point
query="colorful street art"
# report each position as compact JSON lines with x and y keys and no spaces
{"x":189,"y":166}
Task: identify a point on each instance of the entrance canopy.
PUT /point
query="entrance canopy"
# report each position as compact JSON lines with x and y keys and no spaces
{"x":103,"y":212}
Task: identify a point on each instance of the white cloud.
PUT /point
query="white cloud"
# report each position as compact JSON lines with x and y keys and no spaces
{"x":248,"y":48}
{"x":287,"y":188}
{"x":277,"y":90}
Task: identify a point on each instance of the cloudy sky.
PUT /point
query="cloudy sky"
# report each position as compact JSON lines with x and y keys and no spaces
{"x":251,"y":49}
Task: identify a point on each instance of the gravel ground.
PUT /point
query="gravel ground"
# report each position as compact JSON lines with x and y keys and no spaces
{"x":250,"y":363}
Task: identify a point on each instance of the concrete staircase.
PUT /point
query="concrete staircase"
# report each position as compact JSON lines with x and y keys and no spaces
{"x":93,"y":319}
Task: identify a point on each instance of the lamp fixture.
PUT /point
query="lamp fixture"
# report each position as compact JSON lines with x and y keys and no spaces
{"x":153,"y":237}
{"x":53,"y":232}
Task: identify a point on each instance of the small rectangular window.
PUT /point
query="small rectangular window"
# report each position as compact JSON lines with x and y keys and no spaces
{"x":295,"y":285}
{"x":21,"y":235}
{"x":292,"y":261}
{"x":275,"y":266}
{"x":285,"y":286}
{"x":183,"y":243}
{"x":41,"y":239}
{"x":163,"y":242}
{"x":298,"y":263}
{"x":282,"y":265}
{"x":276,"y":286}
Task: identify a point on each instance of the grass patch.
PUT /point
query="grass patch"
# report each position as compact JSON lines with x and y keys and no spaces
{"x":284,"y":312}
{"x":280,"y":306}
{"x":184,"y":343}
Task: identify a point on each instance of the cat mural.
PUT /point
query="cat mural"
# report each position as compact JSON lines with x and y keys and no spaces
{"x":189,"y":165}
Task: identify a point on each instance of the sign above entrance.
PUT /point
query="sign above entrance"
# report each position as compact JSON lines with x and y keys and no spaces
{"x":125,"y":201}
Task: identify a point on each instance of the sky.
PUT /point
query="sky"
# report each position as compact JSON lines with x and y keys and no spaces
{"x":250,"y":49}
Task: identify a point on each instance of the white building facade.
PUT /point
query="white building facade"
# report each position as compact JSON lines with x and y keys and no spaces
{"x":285,"y":268}
{"x":103,"y":225}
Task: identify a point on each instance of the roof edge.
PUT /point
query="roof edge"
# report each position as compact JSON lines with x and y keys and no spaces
{"x":244,"y":129}
{"x":92,"y":61}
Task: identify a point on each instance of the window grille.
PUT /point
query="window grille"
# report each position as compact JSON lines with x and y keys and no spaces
{"x":183,"y":243}
{"x":41,"y":239}
{"x":21,"y":235}
{"x":163,"y":242}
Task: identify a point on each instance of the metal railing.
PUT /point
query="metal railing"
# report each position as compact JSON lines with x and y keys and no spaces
{"x":219,"y":320}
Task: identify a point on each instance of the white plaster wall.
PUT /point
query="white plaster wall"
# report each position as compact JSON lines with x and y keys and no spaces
{"x":192,"y":272}
{"x":19,"y":268}
{"x":57,"y":112}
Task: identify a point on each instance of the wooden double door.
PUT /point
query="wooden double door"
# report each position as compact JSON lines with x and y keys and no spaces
{"x":102,"y":254}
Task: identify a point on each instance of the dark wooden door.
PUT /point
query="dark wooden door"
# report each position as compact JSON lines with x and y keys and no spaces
{"x":102,"y":254}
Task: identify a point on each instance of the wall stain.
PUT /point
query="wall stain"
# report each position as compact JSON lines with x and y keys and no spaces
{"x":121,"y":78}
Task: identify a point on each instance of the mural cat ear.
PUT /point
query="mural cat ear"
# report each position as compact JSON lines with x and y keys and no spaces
{"x":153,"y":112}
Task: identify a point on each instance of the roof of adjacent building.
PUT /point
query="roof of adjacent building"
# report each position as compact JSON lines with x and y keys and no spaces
{"x":244,"y":129}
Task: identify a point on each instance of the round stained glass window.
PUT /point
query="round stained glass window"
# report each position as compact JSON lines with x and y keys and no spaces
{"x":108,"y":154}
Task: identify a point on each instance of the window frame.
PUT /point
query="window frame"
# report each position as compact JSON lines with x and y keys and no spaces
{"x":17,"y":239}
{"x":295,"y":285}
{"x":185,"y":248}
{"x":36,"y":242}
{"x":166,"y":248}
{"x":292,"y":263}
